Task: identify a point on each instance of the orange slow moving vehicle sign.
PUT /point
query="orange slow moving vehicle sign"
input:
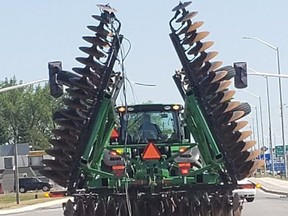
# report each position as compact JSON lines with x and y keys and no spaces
{"x":114,"y":134}
{"x":151,"y":152}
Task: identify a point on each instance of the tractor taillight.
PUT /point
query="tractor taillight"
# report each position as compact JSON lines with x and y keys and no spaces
{"x":184,"y":168}
{"x":118,"y":170}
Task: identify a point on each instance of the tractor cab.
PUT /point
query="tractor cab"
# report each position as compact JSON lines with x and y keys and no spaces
{"x":157,"y":122}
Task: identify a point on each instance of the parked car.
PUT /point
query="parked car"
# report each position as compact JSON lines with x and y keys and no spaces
{"x":246,"y":190}
{"x":26,"y":184}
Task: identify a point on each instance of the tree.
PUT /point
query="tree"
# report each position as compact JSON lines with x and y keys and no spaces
{"x":26,"y":113}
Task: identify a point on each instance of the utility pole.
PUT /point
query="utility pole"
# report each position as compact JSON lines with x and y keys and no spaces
{"x":16,"y":172}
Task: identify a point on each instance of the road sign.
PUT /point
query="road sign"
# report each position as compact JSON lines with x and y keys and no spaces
{"x":267,"y":157}
{"x":279,"y":151}
{"x":264,"y":148}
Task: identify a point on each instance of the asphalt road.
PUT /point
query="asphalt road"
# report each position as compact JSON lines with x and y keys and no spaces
{"x":51,"y":211}
{"x":265,"y":204}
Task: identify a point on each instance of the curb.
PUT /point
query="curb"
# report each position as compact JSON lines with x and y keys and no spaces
{"x":33,"y":207}
{"x":263,"y":188}
{"x":274,"y":192}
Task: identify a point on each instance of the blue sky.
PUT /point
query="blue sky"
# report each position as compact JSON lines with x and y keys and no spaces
{"x":35,"y":32}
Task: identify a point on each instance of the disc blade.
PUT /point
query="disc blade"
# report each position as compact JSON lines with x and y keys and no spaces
{"x":210,"y":55}
{"x":235,"y":201}
{"x":227,"y":96}
{"x":214,"y":66}
{"x":71,"y":114}
{"x":59,"y":154}
{"x":106,"y":8}
{"x":69,"y":124}
{"x":200,"y":47}
{"x":223,"y":85}
{"x":244,"y":134}
{"x":206,"y":45}
{"x":239,"y":157}
{"x":212,"y":77}
{"x":181,"y":5}
{"x":219,"y":75}
{"x":224,"y":108}
{"x":59,"y":143}
{"x":100,"y":209}
{"x":256,"y":165}
{"x":79,"y":94}
{"x":222,"y":97}
{"x":56,"y":165}
{"x":194,"y":26}
{"x":111,"y":207}
{"x":200,"y":36}
{"x":96,"y":41}
{"x":101,"y":19}
{"x":83,"y":83}
{"x":240,"y":125}
{"x":90,"y":62}
{"x":93,"y":52}
{"x":75,"y":104}
{"x":231,"y":105}
{"x":254,"y":154}
{"x":58,"y":177}
{"x":65,"y":134}
{"x":187,"y":17}
{"x":90,"y":207}
{"x":248,"y":145}
{"x":100,"y":31}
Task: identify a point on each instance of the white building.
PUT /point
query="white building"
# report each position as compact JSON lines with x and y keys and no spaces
{"x":7,"y":152}
{"x":29,"y":162}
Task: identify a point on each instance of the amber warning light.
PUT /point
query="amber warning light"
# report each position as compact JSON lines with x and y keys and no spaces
{"x":151,"y":152}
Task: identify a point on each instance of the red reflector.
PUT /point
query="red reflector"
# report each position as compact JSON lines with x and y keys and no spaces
{"x":151,"y":152}
{"x":184,"y":168}
{"x":114,"y":134}
{"x":118,"y":170}
{"x":118,"y":167}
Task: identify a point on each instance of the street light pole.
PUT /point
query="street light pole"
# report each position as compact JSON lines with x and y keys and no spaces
{"x":280,"y":97}
{"x":281,"y":114}
{"x":261,"y":123}
{"x":257,"y":127}
{"x":270,"y":127}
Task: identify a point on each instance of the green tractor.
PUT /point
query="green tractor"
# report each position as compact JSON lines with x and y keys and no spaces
{"x":149,"y":159}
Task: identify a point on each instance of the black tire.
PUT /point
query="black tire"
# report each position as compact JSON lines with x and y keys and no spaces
{"x":45,"y":188}
{"x":249,"y":199}
{"x":22,"y":190}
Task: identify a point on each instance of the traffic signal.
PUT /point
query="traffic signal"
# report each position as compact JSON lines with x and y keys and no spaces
{"x":56,"y":89}
{"x":240,"y":79}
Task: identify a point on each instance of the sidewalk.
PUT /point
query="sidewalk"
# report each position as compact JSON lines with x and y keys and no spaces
{"x":33,"y":207}
{"x":272,"y":185}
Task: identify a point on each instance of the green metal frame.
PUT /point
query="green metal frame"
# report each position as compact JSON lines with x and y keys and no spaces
{"x":151,"y":174}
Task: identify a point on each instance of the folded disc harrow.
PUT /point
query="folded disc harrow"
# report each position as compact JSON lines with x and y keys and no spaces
{"x":87,"y":88}
{"x":153,"y":187}
{"x":208,"y":82}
